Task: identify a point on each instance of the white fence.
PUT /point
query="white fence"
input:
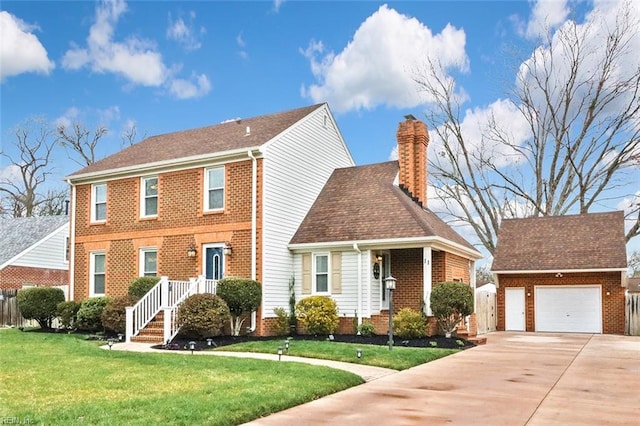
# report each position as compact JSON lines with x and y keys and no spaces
{"x":632,"y":314}
{"x":486,"y":313}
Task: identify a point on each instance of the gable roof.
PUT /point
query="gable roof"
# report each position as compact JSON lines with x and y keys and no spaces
{"x":19,"y":234}
{"x":592,"y":241}
{"x":363,"y":204}
{"x":227,"y":136}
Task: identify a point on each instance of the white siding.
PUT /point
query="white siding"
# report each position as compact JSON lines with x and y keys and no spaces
{"x":296,"y":166}
{"x":48,"y":253}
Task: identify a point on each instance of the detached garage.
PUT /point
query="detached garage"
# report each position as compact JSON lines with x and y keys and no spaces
{"x":562,"y":274}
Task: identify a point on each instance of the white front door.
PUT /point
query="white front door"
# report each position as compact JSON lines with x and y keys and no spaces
{"x":514,"y":308}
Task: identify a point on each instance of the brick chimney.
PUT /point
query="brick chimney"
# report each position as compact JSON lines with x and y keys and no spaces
{"x":413,"y":139}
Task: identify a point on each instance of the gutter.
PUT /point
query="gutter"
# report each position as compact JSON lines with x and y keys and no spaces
{"x":254,"y":224}
{"x":72,"y":243}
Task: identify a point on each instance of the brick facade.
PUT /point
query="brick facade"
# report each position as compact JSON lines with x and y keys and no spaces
{"x":15,"y":277}
{"x":613,"y":296}
{"x":413,"y":138}
{"x":181,"y":223}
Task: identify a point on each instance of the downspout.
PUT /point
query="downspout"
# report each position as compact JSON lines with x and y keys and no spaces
{"x":72,"y":242}
{"x":254,"y":224}
{"x":359,"y":304}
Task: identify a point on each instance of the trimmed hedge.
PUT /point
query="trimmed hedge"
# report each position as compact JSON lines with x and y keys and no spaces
{"x":202,"y":316}
{"x":242,"y":296}
{"x":90,"y":313}
{"x":409,"y":324}
{"x":318,"y":314}
{"x":450,"y":303}
{"x":141,"y":286}
{"x":67,"y":313}
{"x":40,"y":304}
{"x":114,"y":314}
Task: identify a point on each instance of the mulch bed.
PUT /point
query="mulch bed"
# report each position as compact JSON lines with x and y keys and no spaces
{"x":441,"y":342}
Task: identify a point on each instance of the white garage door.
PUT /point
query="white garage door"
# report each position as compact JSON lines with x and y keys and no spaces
{"x":571,"y":309}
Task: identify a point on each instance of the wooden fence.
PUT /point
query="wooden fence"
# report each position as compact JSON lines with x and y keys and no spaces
{"x":632,"y":314}
{"x":10,"y":315}
{"x":486,"y":314}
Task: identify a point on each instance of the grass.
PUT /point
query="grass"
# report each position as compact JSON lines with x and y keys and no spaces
{"x":400,"y":358}
{"x":63,"y":379}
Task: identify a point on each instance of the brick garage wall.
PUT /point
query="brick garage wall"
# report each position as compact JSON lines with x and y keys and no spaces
{"x":406,"y":267}
{"x":181,"y":223}
{"x":15,"y":277}
{"x":613,"y":305}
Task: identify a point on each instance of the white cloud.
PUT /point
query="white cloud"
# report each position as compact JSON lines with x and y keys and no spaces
{"x":277,"y":4}
{"x":68,"y":118}
{"x":10,"y":173}
{"x":242,"y":44}
{"x":184,"y":33}
{"x":375,"y":67}
{"x":20,"y":49}
{"x":545,"y":16}
{"x":196,"y":87}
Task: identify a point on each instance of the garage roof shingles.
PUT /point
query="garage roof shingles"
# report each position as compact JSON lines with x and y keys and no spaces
{"x":362,"y":203}
{"x":219,"y":138}
{"x":575,"y":242}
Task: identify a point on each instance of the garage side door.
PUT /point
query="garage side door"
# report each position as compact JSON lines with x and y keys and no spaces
{"x":571,"y":309}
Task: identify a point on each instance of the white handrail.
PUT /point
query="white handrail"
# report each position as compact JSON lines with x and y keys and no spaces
{"x":197,"y":286}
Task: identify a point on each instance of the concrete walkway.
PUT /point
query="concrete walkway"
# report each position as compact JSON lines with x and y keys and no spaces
{"x":368,"y":373}
{"x":515,"y":379}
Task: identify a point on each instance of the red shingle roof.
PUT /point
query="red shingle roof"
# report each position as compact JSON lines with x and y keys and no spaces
{"x":205,"y":140}
{"x":361,"y":203}
{"x":586,"y":241}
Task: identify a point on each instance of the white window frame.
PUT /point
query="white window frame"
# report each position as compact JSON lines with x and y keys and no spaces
{"x":92,"y":273}
{"x":94,"y":202}
{"x":207,"y":189}
{"x":144,"y":197}
{"x":143,"y":251}
{"x":314,"y":274}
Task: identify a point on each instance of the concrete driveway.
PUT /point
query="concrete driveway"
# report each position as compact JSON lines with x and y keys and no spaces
{"x":515,"y":379}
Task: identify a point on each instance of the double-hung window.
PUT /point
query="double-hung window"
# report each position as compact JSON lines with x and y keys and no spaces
{"x":321,"y":273}
{"x":214,"y":189}
{"x":99,"y":202}
{"x":149,"y":197}
{"x":97,"y":263}
{"x":148,"y":262}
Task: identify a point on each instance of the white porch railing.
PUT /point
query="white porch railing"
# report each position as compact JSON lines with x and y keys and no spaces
{"x":165,"y":295}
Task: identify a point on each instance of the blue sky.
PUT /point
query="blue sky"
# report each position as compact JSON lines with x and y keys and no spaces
{"x":168,"y":65}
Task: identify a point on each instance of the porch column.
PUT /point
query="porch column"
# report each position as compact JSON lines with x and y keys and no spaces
{"x":426,"y":279}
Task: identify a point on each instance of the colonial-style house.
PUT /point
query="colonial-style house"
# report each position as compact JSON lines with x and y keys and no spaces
{"x":562,"y":273}
{"x":274,"y":198}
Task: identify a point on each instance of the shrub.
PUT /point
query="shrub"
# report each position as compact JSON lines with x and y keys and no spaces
{"x":409,"y":324}
{"x":366,"y":329}
{"x":141,"y":286}
{"x":67,"y":313}
{"x":450,"y":303}
{"x":281,"y":326}
{"x":202,"y":315}
{"x":90,"y":313}
{"x":318,"y":314}
{"x":242,"y":296}
{"x":40,"y":304}
{"x":114,"y":314}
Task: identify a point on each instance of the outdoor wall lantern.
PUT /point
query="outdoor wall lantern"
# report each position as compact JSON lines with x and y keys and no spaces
{"x":286,"y":345}
{"x":227,"y":249}
{"x":191,"y":251}
{"x":359,"y":353}
{"x":559,"y":275}
{"x":390,"y":284}
{"x":279,"y":353}
{"x":192,"y":346}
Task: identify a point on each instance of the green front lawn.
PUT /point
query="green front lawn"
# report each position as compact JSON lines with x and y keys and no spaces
{"x":400,"y":358}
{"x":63,"y":379}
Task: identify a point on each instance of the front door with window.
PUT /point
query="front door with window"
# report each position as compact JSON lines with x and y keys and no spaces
{"x":213,"y":263}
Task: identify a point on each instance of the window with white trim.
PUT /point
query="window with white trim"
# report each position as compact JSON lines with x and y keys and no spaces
{"x":97,"y":263}
{"x":99,"y":202}
{"x":148,"y":262}
{"x":321,"y":284}
{"x":214,"y":189}
{"x":149,"y":196}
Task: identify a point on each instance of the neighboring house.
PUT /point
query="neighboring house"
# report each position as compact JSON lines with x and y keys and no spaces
{"x":562,"y":273}
{"x":236,"y":199}
{"x":34,"y":252}
{"x":633,"y":285}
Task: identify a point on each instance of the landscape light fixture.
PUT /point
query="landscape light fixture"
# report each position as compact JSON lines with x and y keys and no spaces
{"x":209,"y":341}
{"x":120,"y":336}
{"x":286,"y":345}
{"x":279,"y":353}
{"x":192,"y":251}
{"x":192,"y":346}
{"x":359,"y":353}
{"x":390,"y":283}
{"x":110,"y":343}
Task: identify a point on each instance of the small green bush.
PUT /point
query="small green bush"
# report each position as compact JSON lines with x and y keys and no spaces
{"x":243,"y":296}
{"x":318,"y":314}
{"x":90,"y":313}
{"x":281,"y":326}
{"x":141,"y":286}
{"x":202,"y":315}
{"x":114,"y":314}
{"x":409,"y":324}
{"x":450,"y":303}
{"x":40,"y":304}
{"x":366,"y":329}
{"x":67,"y":313}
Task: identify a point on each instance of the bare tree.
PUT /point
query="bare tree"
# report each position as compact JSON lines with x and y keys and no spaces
{"x":129,"y":136}
{"x":80,"y":141}
{"x":634,"y":264}
{"x":22,"y":180}
{"x":578,"y":98}
{"x":54,"y":203}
